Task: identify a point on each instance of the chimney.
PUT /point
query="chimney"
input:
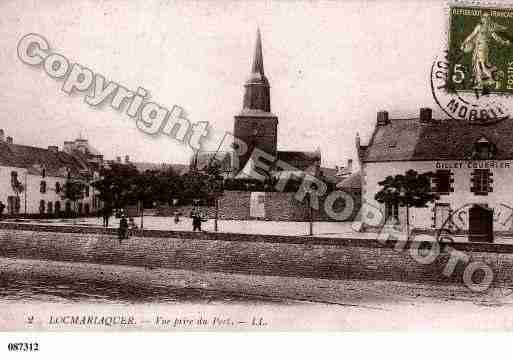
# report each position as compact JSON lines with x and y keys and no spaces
{"x":54,"y":149}
{"x":383,"y":118}
{"x":10,"y":140}
{"x":100,"y":160}
{"x":68,"y":146}
{"x":426,"y":115}
{"x":2,"y":135}
{"x":350,"y":165}
{"x":127,"y":159}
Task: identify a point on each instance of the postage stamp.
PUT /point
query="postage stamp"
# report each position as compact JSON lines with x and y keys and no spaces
{"x":481,"y":50}
{"x":473,"y":80}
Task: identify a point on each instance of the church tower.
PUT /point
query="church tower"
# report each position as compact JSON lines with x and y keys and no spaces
{"x":255,"y":125}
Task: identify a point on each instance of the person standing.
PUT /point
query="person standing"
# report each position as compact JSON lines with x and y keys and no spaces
{"x":177,"y":216}
{"x":196,"y":220}
{"x":106,"y":215}
{"x":123,"y":228}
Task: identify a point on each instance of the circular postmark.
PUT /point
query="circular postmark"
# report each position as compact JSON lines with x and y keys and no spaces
{"x":480,"y":106}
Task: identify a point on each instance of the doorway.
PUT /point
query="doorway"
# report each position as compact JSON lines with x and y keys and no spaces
{"x":480,"y":226}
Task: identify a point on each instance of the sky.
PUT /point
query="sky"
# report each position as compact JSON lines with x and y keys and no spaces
{"x":331,"y":66}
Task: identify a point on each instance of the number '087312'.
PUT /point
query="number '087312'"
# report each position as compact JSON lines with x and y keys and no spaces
{"x":23,"y":347}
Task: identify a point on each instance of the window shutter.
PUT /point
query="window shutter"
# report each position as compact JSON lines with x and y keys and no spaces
{"x":473,"y":181}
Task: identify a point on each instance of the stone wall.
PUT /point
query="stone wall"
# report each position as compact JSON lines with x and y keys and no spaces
{"x":280,"y":206}
{"x":234,"y":205}
{"x":251,"y":254}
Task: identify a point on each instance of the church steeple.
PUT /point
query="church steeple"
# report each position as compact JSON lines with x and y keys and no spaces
{"x":255,"y":127}
{"x":257,"y":92}
{"x":258,"y":61}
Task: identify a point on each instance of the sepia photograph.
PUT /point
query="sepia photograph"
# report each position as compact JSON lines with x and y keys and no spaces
{"x":255,"y":166}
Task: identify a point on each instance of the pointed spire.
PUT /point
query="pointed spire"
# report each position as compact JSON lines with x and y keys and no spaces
{"x":257,"y":95}
{"x":258,"y":60}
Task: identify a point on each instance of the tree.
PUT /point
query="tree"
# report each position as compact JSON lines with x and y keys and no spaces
{"x":115,"y":188}
{"x":195,"y":186}
{"x":409,"y":190}
{"x":167,"y":185}
{"x":73,"y":191}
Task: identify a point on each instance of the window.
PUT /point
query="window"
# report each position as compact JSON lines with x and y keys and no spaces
{"x":391,"y":212}
{"x":43,"y":172}
{"x":481,"y":182}
{"x":14,"y":178}
{"x":442,"y":213}
{"x":42,"y":187}
{"x":49,"y":207}
{"x":442,"y":182}
{"x":57,"y":207}
{"x":87,"y":191}
{"x":42,"y":206}
{"x":57,"y":187}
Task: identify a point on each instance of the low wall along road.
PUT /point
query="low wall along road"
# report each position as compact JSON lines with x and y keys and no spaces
{"x":333,"y":258}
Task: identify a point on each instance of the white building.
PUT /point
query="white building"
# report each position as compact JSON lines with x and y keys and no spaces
{"x":473,"y":166}
{"x":42,"y":173}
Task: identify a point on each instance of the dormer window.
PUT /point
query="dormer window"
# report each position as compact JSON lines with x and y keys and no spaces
{"x":483,"y":149}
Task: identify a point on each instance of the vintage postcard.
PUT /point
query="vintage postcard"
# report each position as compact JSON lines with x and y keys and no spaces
{"x":255,"y":166}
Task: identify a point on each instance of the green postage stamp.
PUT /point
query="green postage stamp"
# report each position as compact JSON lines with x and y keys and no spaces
{"x":481,"y":50}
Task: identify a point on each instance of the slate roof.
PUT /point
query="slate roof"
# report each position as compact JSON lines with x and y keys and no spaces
{"x":301,"y":160}
{"x":352,"y":183}
{"x":150,"y":166}
{"x":409,"y":140}
{"x":203,"y":159}
{"x":35,"y":158}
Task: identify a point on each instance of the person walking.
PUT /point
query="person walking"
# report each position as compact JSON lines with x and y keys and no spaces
{"x":123,"y":228}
